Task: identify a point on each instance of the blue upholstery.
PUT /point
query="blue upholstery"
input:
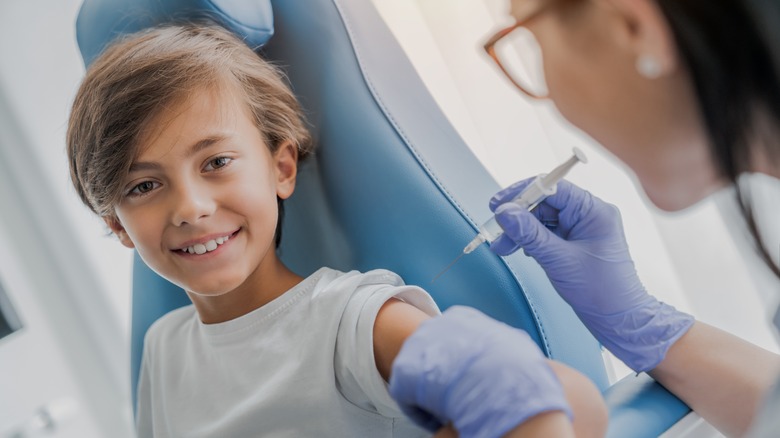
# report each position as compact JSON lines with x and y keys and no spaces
{"x":640,"y":407}
{"x":100,"y":21}
{"x":392,"y":185}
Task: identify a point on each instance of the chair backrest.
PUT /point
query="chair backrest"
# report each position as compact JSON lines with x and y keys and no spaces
{"x":392,"y":185}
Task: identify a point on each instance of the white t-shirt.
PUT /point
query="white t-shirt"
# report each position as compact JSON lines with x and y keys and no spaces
{"x":300,"y":366}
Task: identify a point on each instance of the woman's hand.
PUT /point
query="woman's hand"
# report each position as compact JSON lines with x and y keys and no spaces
{"x":482,"y":376}
{"x":578,"y":240}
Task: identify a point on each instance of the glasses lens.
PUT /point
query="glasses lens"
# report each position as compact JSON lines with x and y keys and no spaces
{"x":521,"y":57}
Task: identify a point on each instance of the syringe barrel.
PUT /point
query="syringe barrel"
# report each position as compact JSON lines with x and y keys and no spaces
{"x":534,"y":193}
{"x":491,"y":230}
{"x":529,"y":198}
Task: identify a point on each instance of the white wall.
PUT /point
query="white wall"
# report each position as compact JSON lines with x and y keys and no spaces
{"x":40,"y":70}
{"x":34,"y":371}
{"x":69,"y":280}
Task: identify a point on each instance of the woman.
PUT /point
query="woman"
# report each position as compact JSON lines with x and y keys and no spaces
{"x":686,"y":93}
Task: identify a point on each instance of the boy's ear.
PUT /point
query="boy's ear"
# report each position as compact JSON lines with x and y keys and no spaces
{"x":286,"y":165}
{"x":116,"y":226}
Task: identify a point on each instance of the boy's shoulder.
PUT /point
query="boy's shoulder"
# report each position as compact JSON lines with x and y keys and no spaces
{"x":355,"y":289}
{"x":325,"y":283}
{"x":172,"y":322}
{"x":328,"y":278}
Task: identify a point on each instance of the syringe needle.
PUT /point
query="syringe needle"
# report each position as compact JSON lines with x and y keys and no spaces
{"x":448,"y":267}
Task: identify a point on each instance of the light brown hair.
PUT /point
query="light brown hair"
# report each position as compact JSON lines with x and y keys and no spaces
{"x":138,"y":76}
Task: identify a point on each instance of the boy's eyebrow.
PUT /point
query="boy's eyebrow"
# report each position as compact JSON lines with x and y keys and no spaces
{"x":194,"y":149}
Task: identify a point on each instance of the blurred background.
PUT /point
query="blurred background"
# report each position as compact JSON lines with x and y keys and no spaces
{"x":65,"y":281}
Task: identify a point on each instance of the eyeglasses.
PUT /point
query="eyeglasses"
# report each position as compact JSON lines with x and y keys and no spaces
{"x":519,"y":56}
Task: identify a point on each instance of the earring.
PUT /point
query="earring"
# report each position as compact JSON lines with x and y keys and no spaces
{"x":648,"y":66}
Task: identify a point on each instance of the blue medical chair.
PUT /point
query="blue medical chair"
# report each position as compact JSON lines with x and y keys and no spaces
{"x":392,"y":185}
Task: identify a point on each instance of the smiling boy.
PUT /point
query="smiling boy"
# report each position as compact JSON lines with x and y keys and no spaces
{"x":187,"y":143}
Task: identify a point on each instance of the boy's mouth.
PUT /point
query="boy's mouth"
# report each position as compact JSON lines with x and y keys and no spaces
{"x":208,"y":245}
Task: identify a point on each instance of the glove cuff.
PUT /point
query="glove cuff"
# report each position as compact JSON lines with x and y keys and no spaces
{"x":642,"y":336}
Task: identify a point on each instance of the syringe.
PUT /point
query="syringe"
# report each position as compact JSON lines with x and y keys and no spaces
{"x":542,"y":186}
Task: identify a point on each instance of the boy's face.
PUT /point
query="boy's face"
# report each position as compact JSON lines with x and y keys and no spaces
{"x":200,"y":203}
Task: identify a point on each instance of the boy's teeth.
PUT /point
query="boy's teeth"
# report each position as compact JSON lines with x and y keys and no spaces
{"x":202,"y":248}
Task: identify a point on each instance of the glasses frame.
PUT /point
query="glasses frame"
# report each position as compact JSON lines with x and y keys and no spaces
{"x":491,"y":51}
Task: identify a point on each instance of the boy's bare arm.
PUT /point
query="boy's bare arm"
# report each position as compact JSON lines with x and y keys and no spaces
{"x":395,"y":322}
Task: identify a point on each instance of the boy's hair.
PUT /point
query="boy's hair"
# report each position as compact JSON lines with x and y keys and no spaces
{"x":140,"y":75}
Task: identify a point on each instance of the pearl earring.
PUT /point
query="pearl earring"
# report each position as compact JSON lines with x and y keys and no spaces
{"x":648,"y":66}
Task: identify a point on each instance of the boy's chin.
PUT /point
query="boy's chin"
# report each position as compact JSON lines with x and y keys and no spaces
{"x":205,"y":287}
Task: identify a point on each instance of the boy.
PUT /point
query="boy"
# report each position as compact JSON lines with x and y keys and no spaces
{"x":187,"y":143}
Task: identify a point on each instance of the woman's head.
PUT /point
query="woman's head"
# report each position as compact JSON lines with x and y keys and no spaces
{"x":139,"y":77}
{"x":685,"y":92}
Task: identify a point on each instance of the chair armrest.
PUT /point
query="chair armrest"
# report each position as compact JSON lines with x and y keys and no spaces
{"x":640,"y":407}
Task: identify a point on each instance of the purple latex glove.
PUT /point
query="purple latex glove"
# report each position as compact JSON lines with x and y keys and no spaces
{"x":578,"y":240}
{"x":483,"y":376}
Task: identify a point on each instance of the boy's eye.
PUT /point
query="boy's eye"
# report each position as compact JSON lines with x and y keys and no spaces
{"x":217,"y":163}
{"x":143,"y":188}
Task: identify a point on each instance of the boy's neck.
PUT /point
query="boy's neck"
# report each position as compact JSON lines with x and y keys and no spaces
{"x":271,"y":279}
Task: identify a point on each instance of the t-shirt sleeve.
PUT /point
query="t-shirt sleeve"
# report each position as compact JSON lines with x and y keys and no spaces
{"x":356,"y":372}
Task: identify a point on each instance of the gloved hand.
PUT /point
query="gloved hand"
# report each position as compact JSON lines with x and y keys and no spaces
{"x":481,"y":375}
{"x":578,"y":240}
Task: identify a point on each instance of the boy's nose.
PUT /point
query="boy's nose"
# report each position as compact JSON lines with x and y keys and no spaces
{"x":192,"y":203}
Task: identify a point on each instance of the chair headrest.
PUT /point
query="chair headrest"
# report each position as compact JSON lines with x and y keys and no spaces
{"x":100,"y":21}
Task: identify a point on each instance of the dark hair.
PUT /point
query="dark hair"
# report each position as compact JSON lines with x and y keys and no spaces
{"x":732,"y":51}
{"x":139,"y":75}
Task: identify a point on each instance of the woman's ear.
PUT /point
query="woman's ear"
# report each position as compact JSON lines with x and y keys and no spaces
{"x":645,"y":32}
{"x":117,"y":228}
{"x":286,"y":165}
